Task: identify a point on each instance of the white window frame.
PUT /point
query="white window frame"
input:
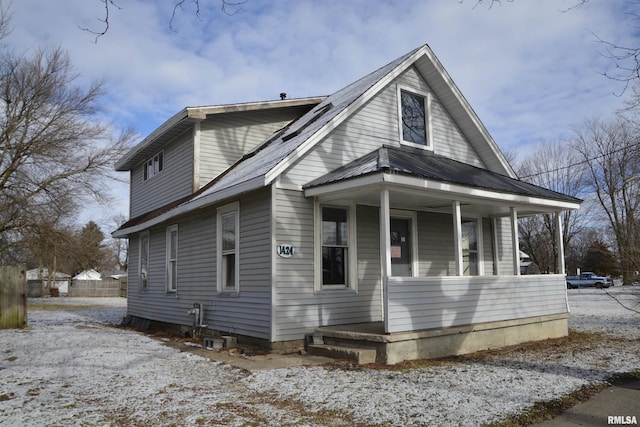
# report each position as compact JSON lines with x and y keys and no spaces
{"x":172,"y":262}
{"x":479,"y":237}
{"x":352,"y":256}
{"x":143,"y":276}
{"x":232,"y":208}
{"x":153,"y":165}
{"x":413,"y":217}
{"x":428,"y":128}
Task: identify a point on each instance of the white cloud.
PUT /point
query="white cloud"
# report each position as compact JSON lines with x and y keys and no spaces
{"x":529,"y":70}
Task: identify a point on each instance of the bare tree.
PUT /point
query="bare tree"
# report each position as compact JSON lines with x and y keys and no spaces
{"x":119,"y":247}
{"x":553,"y":165}
{"x":228,"y":7}
{"x":54,"y":151}
{"x":611,"y":151}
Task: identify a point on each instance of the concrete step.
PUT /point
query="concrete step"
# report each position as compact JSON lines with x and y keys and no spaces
{"x":361,"y":356}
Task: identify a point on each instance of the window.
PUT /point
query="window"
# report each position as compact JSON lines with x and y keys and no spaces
{"x":228,"y":242}
{"x":144,"y":260}
{"x":154,"y":165}
{"x":335,"y":246}
{"x":415,"y":126}
{"x":172,"y":258}
{"x":335,"y":263}
{"x":470,"y":247}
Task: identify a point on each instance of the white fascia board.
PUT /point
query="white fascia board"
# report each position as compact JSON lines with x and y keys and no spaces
{"x":307,"y":145}
{"x":453,"y":191}
{"x":192,"y":205}
{"x":173,"y":121}
{"x":346,"y":185}
{"x":203,"y":112}
{"x":463,"y":192}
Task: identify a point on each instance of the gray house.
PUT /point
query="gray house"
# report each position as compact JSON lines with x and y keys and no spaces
{"x":383,"y":216}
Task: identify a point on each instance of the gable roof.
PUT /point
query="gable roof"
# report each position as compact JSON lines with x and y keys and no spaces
{"x":426,"y":165}
{"x":265,"y":163}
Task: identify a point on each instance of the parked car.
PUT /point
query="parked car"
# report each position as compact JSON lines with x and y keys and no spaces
{"x":588,"y":279}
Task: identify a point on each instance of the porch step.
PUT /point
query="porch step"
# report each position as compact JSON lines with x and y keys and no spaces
{"x":361,"y":356}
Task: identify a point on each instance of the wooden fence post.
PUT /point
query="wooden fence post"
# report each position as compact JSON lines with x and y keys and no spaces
{"x":13,"y":296}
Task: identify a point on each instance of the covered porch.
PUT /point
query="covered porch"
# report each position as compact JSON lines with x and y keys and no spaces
{"x":480,"y":298}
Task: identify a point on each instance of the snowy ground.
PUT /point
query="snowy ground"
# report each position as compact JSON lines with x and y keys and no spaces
{"x":70,"y":367}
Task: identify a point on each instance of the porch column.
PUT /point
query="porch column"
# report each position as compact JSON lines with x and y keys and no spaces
{"x":385,"y":252}
{"x":559,"y":243}
{"x":515,"y":240}
{"x":457,"y":237}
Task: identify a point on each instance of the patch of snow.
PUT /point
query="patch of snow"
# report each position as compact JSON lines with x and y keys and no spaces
{"x":71,"y":366}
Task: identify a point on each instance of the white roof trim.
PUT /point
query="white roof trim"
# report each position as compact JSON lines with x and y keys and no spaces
{"x":455,"y":191}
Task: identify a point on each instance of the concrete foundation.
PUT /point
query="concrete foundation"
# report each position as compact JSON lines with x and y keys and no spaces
{"x":430,"y":344}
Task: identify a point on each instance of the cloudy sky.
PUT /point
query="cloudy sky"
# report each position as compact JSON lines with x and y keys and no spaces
{"x":530,"y":69}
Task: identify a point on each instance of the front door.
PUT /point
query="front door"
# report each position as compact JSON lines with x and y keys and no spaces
{"x":400,"y":247}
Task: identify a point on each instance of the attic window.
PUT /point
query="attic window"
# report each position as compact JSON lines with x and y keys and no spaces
{"x":154,"y":165}
{"x":414,"y":113}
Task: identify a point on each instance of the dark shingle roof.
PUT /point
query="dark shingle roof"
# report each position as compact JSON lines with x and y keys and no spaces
{"x":426,"y":165}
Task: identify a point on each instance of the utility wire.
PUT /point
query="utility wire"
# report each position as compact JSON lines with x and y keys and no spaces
{"x":581,"y":162}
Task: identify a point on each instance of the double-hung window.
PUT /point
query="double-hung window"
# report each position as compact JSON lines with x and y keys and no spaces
{"x":143,"y":266}
{"x":228,"y":240}
{"x":414,"y":111}
{"x":335,"y":268}
{"x":172,"y":258}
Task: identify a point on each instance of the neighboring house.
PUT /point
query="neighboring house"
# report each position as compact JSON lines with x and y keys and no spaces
{"x":384,"y":208}
{"x":88,"y":275}
{"x":38,"y":280}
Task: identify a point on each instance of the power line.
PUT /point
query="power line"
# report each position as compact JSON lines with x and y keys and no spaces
{"x":582,"y":162}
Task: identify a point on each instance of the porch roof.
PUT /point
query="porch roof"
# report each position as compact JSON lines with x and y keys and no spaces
{"x":425,"y":165}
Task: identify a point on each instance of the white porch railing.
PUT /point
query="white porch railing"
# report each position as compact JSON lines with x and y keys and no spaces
{"x":416,"y":303}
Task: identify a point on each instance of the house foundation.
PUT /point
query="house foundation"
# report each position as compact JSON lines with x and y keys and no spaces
{"x":430,"y":344}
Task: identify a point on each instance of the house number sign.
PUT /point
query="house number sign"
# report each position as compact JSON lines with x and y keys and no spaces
{"x":286,"y":251}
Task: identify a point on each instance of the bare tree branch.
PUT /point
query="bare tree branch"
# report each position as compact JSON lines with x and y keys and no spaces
{"x":105,"y":20}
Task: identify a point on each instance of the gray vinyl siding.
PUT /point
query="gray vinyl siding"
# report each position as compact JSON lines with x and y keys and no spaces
{"x":441,"y":302}
{"x":174,"y":182}
{"x":375,"y":124}
{"x":299,"y":308}
{"x":487,"y":247}
{"x":225,"y":138}
{"x":248,"y":312}
{"x":435,"y":244}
